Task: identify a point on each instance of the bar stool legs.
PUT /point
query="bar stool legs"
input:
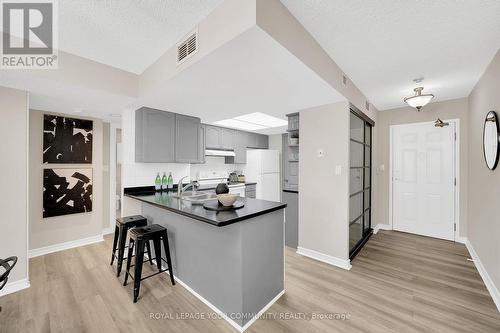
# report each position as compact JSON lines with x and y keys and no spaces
{"x":167,"y":253}
{"x":115,"y":243}
{"x":139,"y":240}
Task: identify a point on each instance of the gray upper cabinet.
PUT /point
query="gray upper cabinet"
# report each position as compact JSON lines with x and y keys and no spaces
{"x":213,"y":137}
{"x":262,"y":141}
{"x":227,"y":136}
{"x":187,"y":143}
{"x":259,"y":141}
{"x":251,"y":140}
{"x":155,"y":136}
{"x":201,"y":144}
{"x":240,"y":149}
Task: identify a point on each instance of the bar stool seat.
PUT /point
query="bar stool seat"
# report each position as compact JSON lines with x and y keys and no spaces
{"x":123,"y":225}
{"x":139,"y":238}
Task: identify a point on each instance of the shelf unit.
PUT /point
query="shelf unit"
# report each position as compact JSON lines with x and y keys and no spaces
{"x":291,"y":153}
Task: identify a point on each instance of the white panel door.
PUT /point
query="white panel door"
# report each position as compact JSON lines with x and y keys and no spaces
{"x":423,"y":174}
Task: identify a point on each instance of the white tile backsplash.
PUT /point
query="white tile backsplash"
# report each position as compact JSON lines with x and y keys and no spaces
{"x":214,"y":163}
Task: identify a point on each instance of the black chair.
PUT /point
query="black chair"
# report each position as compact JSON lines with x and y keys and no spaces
{"x":123,"y":225}
{"x":139,"y":238}
{"x":7,"y":265}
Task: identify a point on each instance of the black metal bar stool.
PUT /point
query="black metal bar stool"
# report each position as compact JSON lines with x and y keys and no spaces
{"x":123,"y":225}
{"x":6,"y":266}
{"x":139,"y":238}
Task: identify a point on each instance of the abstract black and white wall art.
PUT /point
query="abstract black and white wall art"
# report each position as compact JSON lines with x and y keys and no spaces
{"x":67,"y":191}
{"x":67,"y":140}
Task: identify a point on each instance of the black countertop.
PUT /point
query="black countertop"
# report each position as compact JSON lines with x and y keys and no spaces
{"x":252,"y":208}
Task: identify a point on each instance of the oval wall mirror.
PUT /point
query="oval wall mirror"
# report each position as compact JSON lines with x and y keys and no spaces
{"x":490,"y":140}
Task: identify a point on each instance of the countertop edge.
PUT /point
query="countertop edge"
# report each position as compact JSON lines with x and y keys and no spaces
{"x":199,"y":218}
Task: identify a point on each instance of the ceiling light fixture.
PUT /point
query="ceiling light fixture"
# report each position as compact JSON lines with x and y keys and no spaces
{"x":419,"y":100}
{"x":253,"y":122}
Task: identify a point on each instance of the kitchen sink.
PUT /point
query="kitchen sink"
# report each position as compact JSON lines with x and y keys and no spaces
{"x":196,"y":197}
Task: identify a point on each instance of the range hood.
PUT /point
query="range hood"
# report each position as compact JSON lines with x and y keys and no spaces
{"x":216,"y":152}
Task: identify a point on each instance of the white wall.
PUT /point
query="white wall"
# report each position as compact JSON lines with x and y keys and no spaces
{"x":14,"y":180}
{"x":324,"y":196}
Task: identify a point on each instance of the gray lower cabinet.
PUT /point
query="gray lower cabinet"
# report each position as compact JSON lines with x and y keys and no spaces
{"x":187,"y":143}
{"x":154,"y":136}
{"x":291,"y":218}
{"x":251,"y":191}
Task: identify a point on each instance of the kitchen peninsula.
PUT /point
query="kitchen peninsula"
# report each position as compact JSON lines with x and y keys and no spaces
{"x":232,"y":260}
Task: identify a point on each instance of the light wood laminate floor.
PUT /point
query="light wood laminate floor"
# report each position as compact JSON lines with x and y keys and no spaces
{"x":399,"y":283}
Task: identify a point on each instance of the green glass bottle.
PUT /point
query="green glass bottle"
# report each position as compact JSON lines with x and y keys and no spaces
{"x":158,"y":182}
{"x":164,"y":182}
{"x":170,"y":182}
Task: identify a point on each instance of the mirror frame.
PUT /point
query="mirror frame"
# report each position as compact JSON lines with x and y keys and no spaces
{"x":495,"y":117}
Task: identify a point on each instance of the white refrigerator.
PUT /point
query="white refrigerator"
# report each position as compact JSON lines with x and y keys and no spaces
{"x":263,"y":167}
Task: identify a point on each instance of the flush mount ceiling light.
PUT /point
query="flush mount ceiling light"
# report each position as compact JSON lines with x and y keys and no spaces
{"x":252,"y":122}
{"x":419,"y":100}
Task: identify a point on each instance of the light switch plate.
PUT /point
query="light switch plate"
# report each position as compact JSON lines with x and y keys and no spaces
{"x":338,"y":170}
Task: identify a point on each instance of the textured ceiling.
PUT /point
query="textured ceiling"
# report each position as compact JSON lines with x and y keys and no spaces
{"x":127,"y":34}
{"x":382,"y":45}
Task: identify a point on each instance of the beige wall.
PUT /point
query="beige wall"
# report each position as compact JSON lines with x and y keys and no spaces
{"x":452,"y":109}
{"x":13,"y":176}
{"x":55,"y":230}
{"x":106,"y":176}
{"x":484,"y":184}
{"x":324,"y":196}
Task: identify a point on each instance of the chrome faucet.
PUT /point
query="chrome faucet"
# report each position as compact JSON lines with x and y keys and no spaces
{"x":180,"y":189}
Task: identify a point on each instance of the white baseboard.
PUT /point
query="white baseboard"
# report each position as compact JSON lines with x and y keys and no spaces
{"x":490,"y":285}
{"x":64,"y":246}
{"x":342,"y":263}
{"x":462,"y":240}
{"x":381,"y":226}
{"x":108,"y":231}
{"x":12,"y":287}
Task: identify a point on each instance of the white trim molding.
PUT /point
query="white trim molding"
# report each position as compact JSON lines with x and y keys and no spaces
{"x":490,"y":285}
{"x":342,"y":263}
{"x":381,"y":226}
{"x":223,"y":315}
{"x":64,"y":246}
{"x":12,"y":287}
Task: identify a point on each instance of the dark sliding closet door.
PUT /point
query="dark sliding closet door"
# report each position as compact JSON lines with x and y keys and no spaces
{"x":360,"y":182}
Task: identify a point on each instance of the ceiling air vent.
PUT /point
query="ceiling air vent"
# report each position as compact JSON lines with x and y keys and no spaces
{"x":187,"y":48}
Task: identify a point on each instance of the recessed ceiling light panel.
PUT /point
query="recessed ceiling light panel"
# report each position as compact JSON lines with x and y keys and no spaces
{"x":253,"y":122}
{"x":243,"y":125}
{"x":262,"y":119}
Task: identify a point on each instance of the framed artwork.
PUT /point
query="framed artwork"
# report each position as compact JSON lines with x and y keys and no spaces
{"x":67,"y":140}
{"x":67,"y":191}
